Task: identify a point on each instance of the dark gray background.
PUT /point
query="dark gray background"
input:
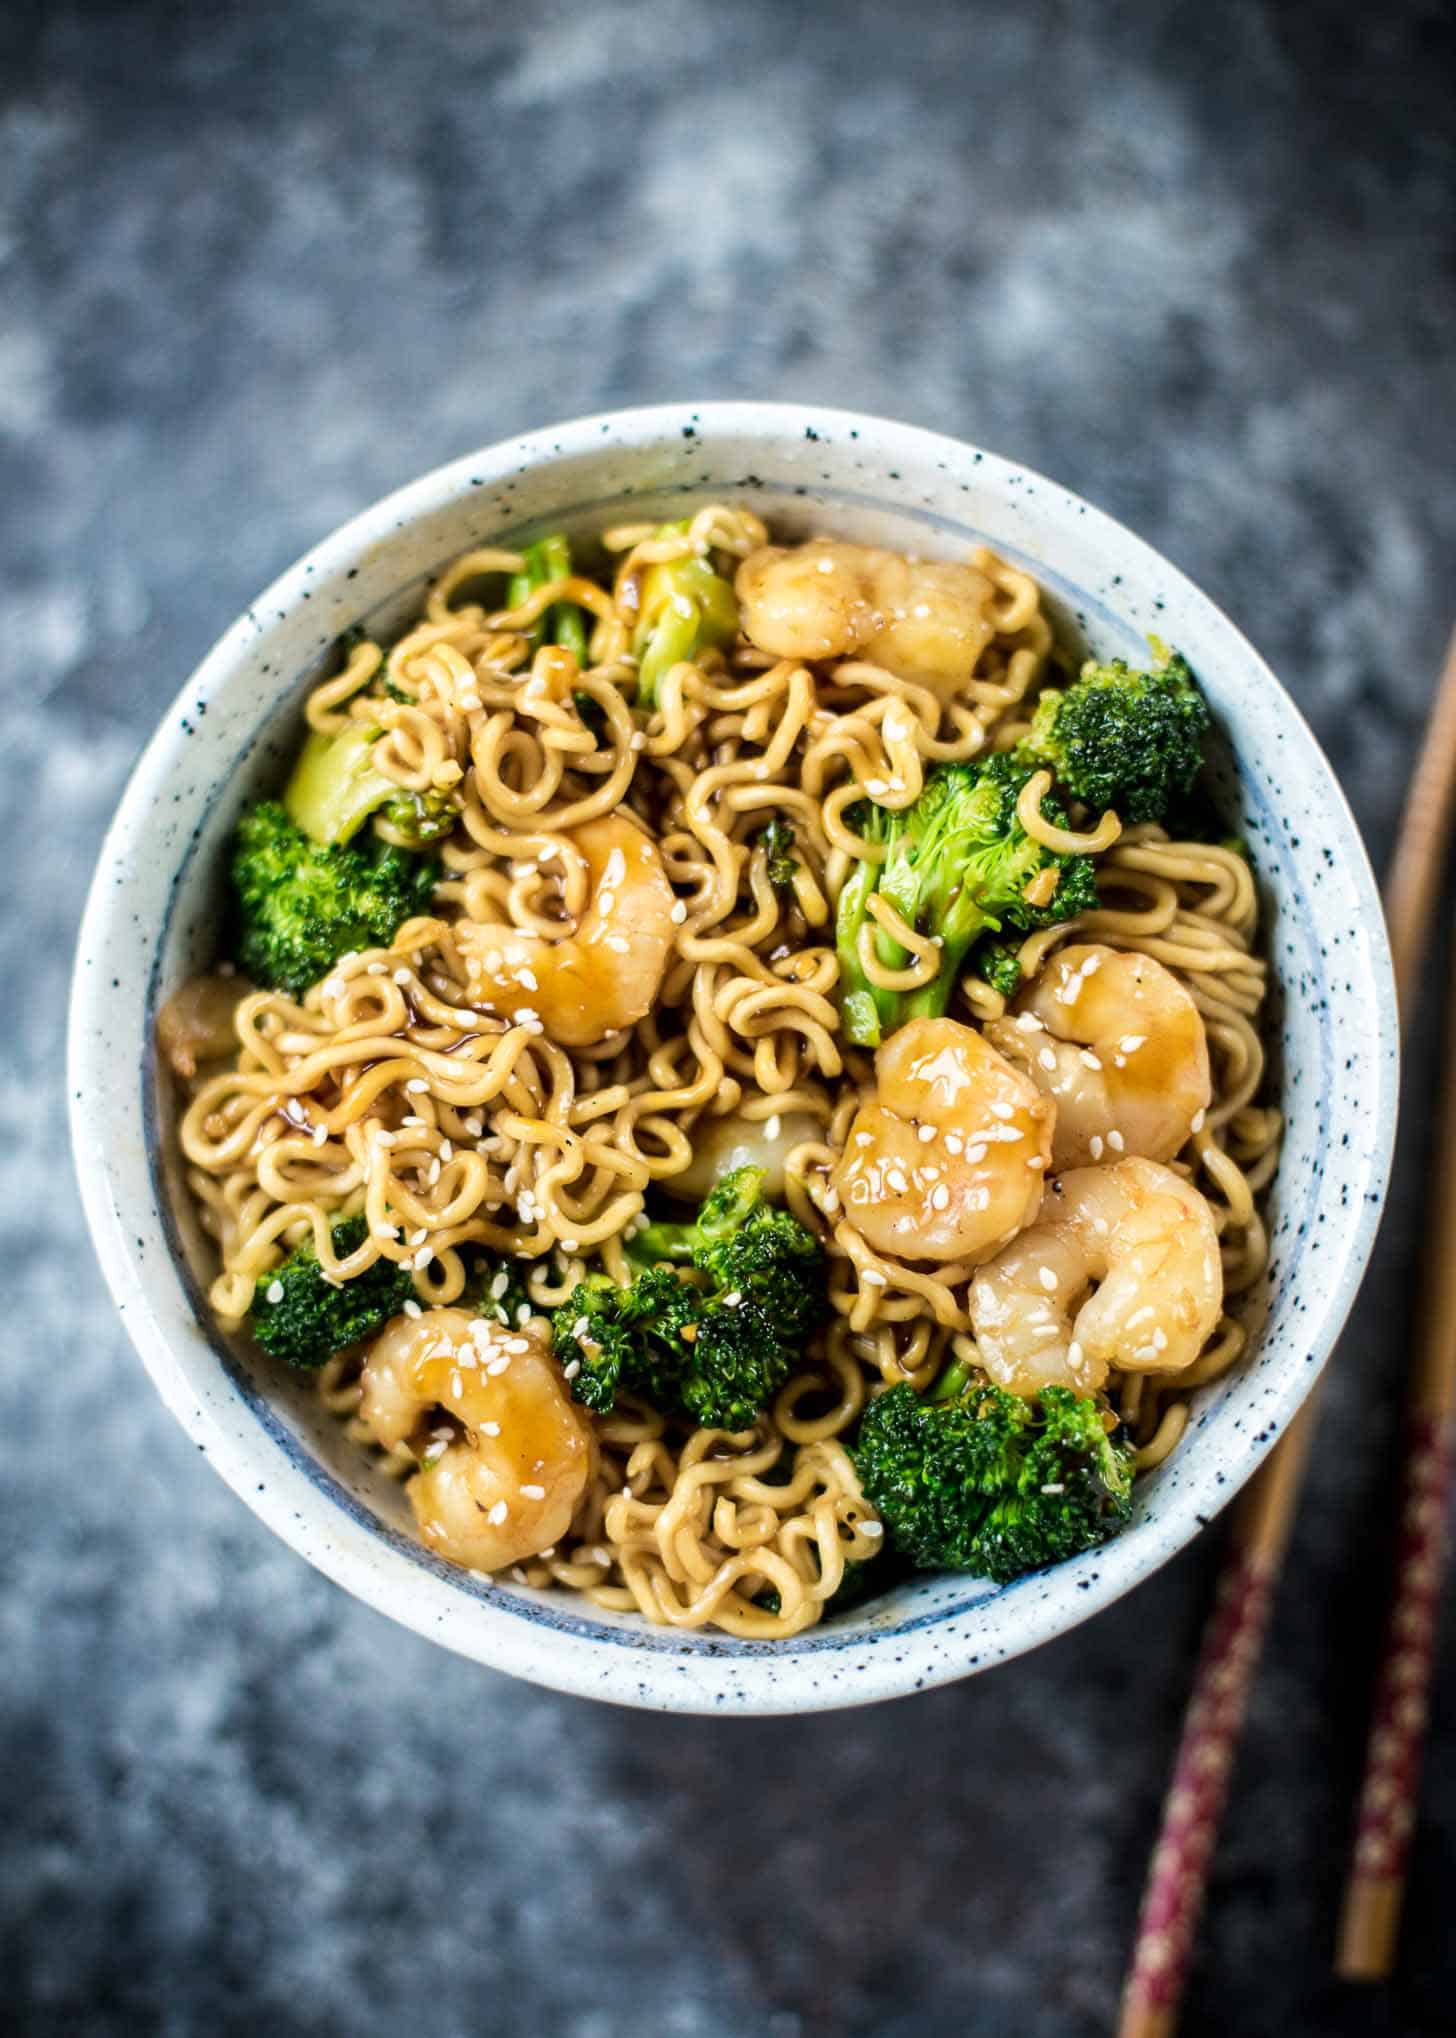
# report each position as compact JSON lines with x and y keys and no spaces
{"x":259,"y":265}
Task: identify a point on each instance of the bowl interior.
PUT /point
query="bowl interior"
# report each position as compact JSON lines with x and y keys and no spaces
{"x":154,"y":916}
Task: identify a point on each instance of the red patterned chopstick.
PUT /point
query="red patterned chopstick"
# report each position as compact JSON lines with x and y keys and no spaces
{"x":1388,"y":1795}
{"x":1193,"y":1808}
{"x":1233,"y":1638}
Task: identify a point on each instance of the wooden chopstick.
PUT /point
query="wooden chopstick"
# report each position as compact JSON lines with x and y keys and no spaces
{"x":1375,"y":1885}
{"x":1234,"y":1634}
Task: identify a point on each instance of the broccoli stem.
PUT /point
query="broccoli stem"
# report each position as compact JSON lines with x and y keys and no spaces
{"x":564,"y":623}
{"x":334,"y":787}
{"x":566,"y":619}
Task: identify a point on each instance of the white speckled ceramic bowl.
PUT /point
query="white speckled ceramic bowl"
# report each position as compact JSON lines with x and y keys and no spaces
{"x":153,"y":911}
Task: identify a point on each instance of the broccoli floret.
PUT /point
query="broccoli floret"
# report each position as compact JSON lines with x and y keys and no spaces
{"x":300,"y":906}
{"x":1123,"y":739}
{"x":501,"y":1291}
{"x":984,"y":1481}
{"x":334,"y":788}
{"x":684,"y":609}
{"x":302,"y":1318}
{"x":626,"y":1336}
{"x":716,"y":1343}
{"x":957,"y":864}
{"x":778,"y":846}
{"x":420,"y":818}
{"x":997,"y":963}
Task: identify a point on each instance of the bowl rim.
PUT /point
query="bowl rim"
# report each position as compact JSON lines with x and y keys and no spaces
{"x":394,"y":1576}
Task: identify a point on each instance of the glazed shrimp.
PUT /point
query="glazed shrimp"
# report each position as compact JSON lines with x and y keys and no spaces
{"x":926,"y":620}
{"x":604,"y":975}
{"x":1136,"y":1235}
{"x":1119,"y":1043}
{"x":505,"y":1484}
{"x":946,"y":1161}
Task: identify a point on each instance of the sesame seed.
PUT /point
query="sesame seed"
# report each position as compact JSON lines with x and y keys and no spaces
{"x":872,"y":1529}
{"x":1048,"y":1279}
{"x":417,"y":1086}
{"x":976,"y":1152}
{"x":497,"y":1514}
{"x":490,"y":1429}
{"x":999,"y":1110}
{"x":679,"y":912}
{"x":571,"y":1369}
{"x":1027,"y":1022}
{"x":523,"y":1314}
{"x":873,"y":1278}
{"x":412,"y":1308}
{"x":498,"y":1366}
{"x":401,"y":976}
{"x":772,"y":1127}
{"x":570,"y":1245}
{"x":533,"y":1492}
{"x":275,"y":1291}
{"x":1074,"y":1355}
{"x":1115,"y":1140}
{"x":423,"y":1257}
{"x":1131,"y":1042}
{"x":939,"y":1197}
{"x":926,"y":1133}
{"x":733,"y":1298}
{"x":1089,"y":1059}
{"x":457,"y":1385}
{"x":1095,"y":1143}
{"x":1160,"y":1340}
{"x":1047,"y":1059}
{"x":1056,"y":1486}
{"x":1199,"y":1120}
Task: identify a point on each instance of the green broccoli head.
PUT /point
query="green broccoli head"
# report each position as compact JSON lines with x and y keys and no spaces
{"x":301,"y":905}
{"x":334,"y":789}
{"x":778,"y":845}
{"x":501,"y":1292}
{"x":985,"y":1481}
{"x":608,"y":1337}
{"x":302,"y":1318}
{"x":684,"y":608}
{"x":958,"y":864}
{"x":715,"y":1342}
{"x":1122,"y":738}
{"x":420,"y":818}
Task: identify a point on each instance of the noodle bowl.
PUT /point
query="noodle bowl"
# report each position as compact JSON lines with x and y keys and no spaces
{"x":391,"y":1087}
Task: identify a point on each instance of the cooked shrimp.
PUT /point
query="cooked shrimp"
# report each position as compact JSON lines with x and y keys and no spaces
{"x":507,"y":1483}
{"x":722,"y":1144}
{"x":604,"y":975}
{"x":922,"y":619}
{"x":1143,"y":1241}
{"x":1119,"y":1043}
{"x":196,"y":1023}
{"x":946,"y":1162}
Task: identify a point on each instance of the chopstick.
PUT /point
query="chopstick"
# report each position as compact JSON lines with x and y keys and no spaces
{"x":1234,"y":1634}
{"x":1375,"y":1884}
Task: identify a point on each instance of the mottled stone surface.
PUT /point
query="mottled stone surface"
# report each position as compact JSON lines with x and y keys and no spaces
{"x":258,"y":265}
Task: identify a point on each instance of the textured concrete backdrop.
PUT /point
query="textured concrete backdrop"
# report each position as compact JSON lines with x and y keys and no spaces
{"x":260,"y":264}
